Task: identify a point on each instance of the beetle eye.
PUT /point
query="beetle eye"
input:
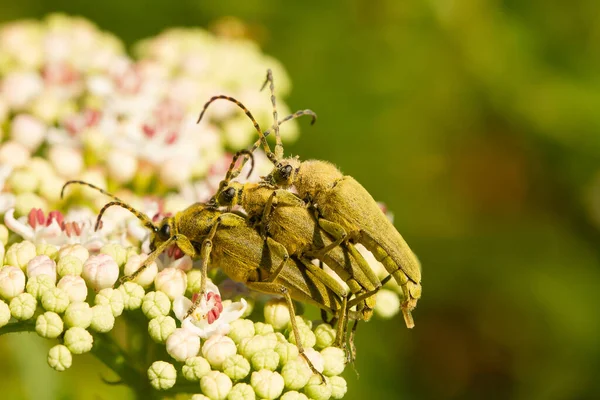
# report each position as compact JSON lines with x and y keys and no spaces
{"x":286,"y":171}
{"x":165,"y":231}
{"x":228,"y":195}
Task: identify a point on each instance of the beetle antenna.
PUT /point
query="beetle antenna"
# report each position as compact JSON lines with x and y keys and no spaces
{"x":275,"y":126}
{"x":147,"y":222}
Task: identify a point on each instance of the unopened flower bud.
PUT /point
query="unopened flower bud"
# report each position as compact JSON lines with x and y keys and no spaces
{"x":249,"y":346}
{"x":184,"y":263}
{"x":111,"y":297}
{"x":315,"y":358}
{"x":60,"y":358}
{"x":199,"y":396}
{"x":293,"y":395}
{"x":69,"y":265}
{"x":277,"y":314}
{"x":325,"y":335}
{"x":116,"y":252}
{"x":74,"y":286}
{"x":4,"y":313}
{"x":41,"y":265}
{"x":56,"y":300}
{"x":3,"y":236}
{"x":217,"y":348}
{"x":46,"y":249}
{"x":194,"y":280}
{"x":23,"y":306}
{"x":265,"y":359}
{"x":195,"y":368}
{"x":296,"y":374}
{"x":133,"y":294}
{"x":49,"y":325}
{"x":23,"y":181}
{"x":216,"y":385}
{"x":318,"y":390}
{"x":161,"y":327}
{"x":75,"y":250}
{"x":155,"y":304}
{"x":147,"y":276}
{"x":183,"y":344}
{"x":262,"y":329}
{"x":162,"y":375}
{"x":121,"y":165}
{"x":19,"y":254}
{"x":67,"y":161}
{"x":307,"y":336}
{"x":171,"y":281}
{"x":12,"y":282}
{"x":28,"y":130}
{"x":24,"y":202}
{"x":388,"y":303}
{"x":14,"y":154}
{"x":38,"y":285}
{"x":103,"y":319}
{"x":334,"y":361}
{"x":241,"y":391}
{"x":267,"y":384}
{"x":339,"y":387}
{"x":78,"y":340}
{"x":100,"y":271}
{"x":241,"y":329}
{"x":236,"y":367}
{"x":78,"y":314}
{"x":286,"y":351}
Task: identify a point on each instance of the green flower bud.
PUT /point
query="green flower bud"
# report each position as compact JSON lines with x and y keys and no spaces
{"x":216,"y":385}
{"x":195,"y":368}
{"x":103,"y":319}
{"x":22,"y":181}
{"x":267,"y":384}
{"x":56,"y":300}
{"x":194,"y":279}
{"x":334,"y":361}
{"x":236,"y":367}
{"x":286,"y":351}
{"x":249,"y":346}
{"x":307,"y":336}
{"x":277,"y":313}
{"x":183,"y":344}
{"x":26,"y":201}
{"x":2,"y":250}
{"x":12,"y":282}
{"x":217,"y":348}
{"x":388,"y":304}
{"x":316,"y":389}
{"x":69,"y":265}
{"x":49,"y":325}
{"x":38,"y":285}
{"x":155,"y":304}
{"x":272,"y":340}
{"x":293,"y":395}
{"x":325,"y":335}
{"x":200,"y":397}
{"x":60,"y":358}
{"x":241,"y":391}
{"x":3,"y":236}
{"x":23,"y":306}
{"x":133,"y":294}
{"x":241,"y":329}
{"x":74,"y":250}
{"x":265,"y":359}
{"x":162,"y":375}
{"x":19,"y":254}
{"x":262,"y":329}
{"x":78,"y":340}
{"x":78,"y":314}
{"x":46,"y":249}
{"x":161,"y":327}
{"x":116,"y":251}
{"x":296,"y":374}
{"x":4,"y":313}
{"x":111,"y":297}
{"x":281,"y":337}
{"x":338,"y":387}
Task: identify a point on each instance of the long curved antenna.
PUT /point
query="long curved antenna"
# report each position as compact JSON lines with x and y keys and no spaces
{"x":295,"y":115}
{"x":275,"y":126}
{"x":230,"y":172}
{"x":141,"y":216}
{"x":62,"y":192}
{"x":262,"y":138}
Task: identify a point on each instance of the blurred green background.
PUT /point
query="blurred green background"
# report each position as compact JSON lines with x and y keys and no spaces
{"x":478,"y":123}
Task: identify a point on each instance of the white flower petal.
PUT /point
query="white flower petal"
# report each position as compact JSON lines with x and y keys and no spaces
{"x":18,"y":227}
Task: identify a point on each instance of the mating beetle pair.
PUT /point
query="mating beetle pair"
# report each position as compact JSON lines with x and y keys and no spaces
{"x":271,"y":248}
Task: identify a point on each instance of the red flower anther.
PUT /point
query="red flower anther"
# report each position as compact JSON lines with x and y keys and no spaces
{"x":148,"y":130}
{"x":36,"y":217}
{"x":212,"y":316}
{"x":171,"y":138}
{"x":92,"y":117}
{"x":59,"y":73}
{"x":54,"y":215}
{"x":175,"y":252}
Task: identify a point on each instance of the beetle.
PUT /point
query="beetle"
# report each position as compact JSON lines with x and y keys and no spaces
{"x":340,"y":199}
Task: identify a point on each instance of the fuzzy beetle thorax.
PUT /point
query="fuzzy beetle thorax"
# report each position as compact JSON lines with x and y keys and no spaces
{"x":315,"y":177}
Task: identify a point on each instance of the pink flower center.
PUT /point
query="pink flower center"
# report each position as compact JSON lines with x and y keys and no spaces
{"x":213,"y":305}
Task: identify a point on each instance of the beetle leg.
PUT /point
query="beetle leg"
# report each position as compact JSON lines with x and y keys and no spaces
{"x":277,"y":289}
{"x":150,"y":259}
